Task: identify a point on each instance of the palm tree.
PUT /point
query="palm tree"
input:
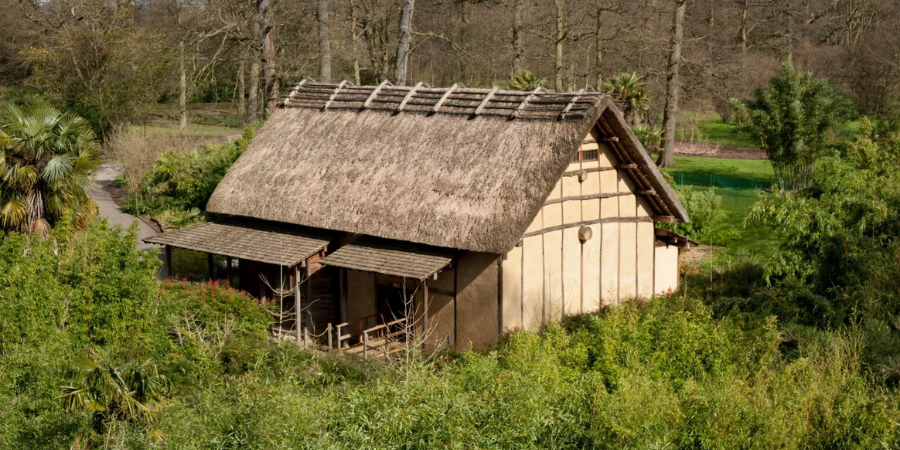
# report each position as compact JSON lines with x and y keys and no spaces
{"x":631,"y":92}
{"x":525,"y":81}
{"x":130,"y":392}
{"x":47,"y":163}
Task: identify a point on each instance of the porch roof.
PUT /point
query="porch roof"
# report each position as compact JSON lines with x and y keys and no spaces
{"x":266,"y":242}
{"x":372,"y":255}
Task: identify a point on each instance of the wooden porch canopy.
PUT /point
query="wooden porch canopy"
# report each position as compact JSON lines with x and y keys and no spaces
{"x":672,"y":238}
{"x":370,"y":255}
{"x":269,"y":243}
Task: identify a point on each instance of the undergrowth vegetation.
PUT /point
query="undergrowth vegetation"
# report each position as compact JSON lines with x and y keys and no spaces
{"x":178,"y":185}
{"x":198,"y":371}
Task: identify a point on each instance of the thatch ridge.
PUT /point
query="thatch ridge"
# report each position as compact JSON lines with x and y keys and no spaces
{"x":521,"y":105}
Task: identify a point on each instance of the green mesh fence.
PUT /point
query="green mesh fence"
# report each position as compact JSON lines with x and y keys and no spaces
{"x":738,"y":194}
{"x":718,"y":181}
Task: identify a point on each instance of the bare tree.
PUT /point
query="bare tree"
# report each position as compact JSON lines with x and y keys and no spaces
{"x":252,"y":96}
{"x":354,"y":36}
{"x":325,"y":40}
{"x":241,"y":88}
{"x":518,"y":48}
{"x":673,"y":86}
{"x":270,"y":83}
{"x":406,"y":15}
{"x":559,"y":40}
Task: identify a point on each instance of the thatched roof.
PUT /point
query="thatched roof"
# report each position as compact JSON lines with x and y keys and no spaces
{"x":280,"y":244}
{"x":379,"y":256}
{"x":452,"y":167}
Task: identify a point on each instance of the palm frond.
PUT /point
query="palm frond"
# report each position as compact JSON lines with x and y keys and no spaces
{"x":59,"y":167}
{"x":12,"y":214}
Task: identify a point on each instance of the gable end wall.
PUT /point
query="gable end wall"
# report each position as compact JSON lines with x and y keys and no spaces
{"x":552,"y":273}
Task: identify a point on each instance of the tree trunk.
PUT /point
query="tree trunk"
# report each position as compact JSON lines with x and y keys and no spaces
{"x":182,"y":87}
{"x":518,"y":50}
{"x":560,"y":37}
{"x":268,"y":54}
{"x":405,"y":37}
{"x":253,"y":89}
{"x":598,"y":59}
{"x":673,"y":86}
{"x":745,"y":6}
{"x":325,"y":41}
{"x":353,"y":24}
{"x":242,"y":88}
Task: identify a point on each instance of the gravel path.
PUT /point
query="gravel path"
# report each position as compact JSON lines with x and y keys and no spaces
{"x":111,"y":211}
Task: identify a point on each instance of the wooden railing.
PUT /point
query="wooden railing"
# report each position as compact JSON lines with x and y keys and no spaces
{"x":360,"y":324}
{"x":382,"y":336}
{"x":386,"y":337}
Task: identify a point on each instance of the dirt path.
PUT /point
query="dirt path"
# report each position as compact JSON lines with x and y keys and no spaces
{"x":685,"y":148}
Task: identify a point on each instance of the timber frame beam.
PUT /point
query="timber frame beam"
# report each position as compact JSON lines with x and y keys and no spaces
{"x":590,"y":222}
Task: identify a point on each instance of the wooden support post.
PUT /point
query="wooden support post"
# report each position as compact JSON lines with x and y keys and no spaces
{"x":209,"y":260}
{"x":168,"y":262}
{"x":228,"y":271}
{"x":297,"y":303}
{"x":424,"y":308}
{"x":305,"y":337}
{"x":365,"y":344}
{"x":343,"y":287}
{"x":328,"y":331}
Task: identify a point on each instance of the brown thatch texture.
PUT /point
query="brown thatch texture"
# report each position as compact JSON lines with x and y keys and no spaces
{"x":449,"y":178}
{"x":371,"y":256}
{"x":284,"y":245}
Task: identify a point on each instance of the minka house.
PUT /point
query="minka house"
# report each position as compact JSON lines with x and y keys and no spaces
{"x":467,"y":211}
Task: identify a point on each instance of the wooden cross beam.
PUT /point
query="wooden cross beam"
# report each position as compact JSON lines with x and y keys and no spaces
{"x":374,"y":94}
{"x":444,"y":97}
{"x":487,"y":98}
{"x":334,"y":94}
{"x":522,"y":105}
{"x":409,"y":96}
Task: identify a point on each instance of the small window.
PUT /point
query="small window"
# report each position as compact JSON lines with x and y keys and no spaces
{"x":577,"y":157}
{"x":589,"y":155}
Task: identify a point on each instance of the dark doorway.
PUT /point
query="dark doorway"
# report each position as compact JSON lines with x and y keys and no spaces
{"x":392,"y":303}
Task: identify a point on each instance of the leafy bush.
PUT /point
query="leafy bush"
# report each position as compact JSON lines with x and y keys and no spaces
{"x":704,"y":208}
{"x":182,"y":181}
{"x":650,"y":137}
{"x":93,"y":293}
{"x":661,"y":375}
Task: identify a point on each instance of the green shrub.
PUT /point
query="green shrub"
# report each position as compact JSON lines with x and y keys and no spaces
{"x":650,"y":137}
{"x":704,"y":208}
{"x":65,"y":298}
{"x":661,"y":375}
{"x":183,"y":181}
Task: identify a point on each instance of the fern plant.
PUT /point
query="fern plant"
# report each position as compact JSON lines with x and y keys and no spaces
{"x":525,"y":81}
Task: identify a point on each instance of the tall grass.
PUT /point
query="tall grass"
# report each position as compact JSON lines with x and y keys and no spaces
{"x":137,"y":151}
{"x":663,"y":375}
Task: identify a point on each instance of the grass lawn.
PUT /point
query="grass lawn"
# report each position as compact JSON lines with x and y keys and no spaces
{"x":204,"y":119}
{"x":708,"y":126}
{"x":171,"y":128}
{"x":739,"y":182}
{"x":751,"y":169}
